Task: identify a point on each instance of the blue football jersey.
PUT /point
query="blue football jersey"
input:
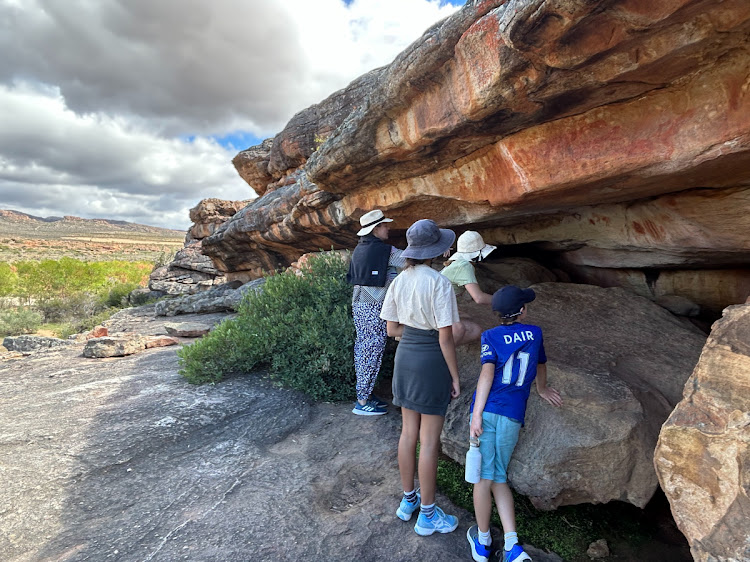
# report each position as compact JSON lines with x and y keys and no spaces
{"x":515,"y":351}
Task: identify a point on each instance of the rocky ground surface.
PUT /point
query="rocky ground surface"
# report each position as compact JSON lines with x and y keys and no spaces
{"x":121,"y":459}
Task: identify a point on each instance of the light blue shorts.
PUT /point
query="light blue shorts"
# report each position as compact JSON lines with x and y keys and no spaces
{"x":498,"y":439}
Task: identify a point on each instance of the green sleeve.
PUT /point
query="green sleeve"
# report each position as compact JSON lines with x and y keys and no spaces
{"x":460,"y":273}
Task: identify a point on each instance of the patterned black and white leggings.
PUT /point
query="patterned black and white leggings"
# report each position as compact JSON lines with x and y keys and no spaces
{"x":368,"y":346}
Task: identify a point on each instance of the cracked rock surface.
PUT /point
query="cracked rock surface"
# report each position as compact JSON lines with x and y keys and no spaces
{"x":121,"y":459}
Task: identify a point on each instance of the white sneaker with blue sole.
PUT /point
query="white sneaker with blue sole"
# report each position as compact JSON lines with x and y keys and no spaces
{"x":438,"y":523}
{"x":406,"y":509}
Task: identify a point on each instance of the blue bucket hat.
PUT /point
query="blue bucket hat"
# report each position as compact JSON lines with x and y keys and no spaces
{"x":509,"y":300}
{"x":426,"y":240}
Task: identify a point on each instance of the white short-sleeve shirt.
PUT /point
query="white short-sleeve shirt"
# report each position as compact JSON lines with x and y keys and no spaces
{"x":422,"y":298}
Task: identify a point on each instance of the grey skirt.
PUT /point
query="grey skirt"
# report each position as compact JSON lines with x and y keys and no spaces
{"x":421,"y":379}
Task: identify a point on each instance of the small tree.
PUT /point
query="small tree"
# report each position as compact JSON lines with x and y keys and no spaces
{"x":8,"y":280}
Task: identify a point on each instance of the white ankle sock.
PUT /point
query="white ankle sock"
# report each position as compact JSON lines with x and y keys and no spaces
{"x":510,"y":540}
{"x":484,"y":538}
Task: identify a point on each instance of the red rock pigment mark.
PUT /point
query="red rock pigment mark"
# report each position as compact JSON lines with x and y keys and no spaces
{"x":599,"y":218}
{"x":648,"y":228}
{"x":736,"y":91}
{"x":486,"y":25}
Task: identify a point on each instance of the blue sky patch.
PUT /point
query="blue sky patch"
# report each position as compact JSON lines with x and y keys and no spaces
{"x":237,"y":140}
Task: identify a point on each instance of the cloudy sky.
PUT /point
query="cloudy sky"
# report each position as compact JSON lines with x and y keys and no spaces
{"x":133,"y":109}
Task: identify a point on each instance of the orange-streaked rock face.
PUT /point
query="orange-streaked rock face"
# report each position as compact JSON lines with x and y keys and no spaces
{"x":617,"y":138}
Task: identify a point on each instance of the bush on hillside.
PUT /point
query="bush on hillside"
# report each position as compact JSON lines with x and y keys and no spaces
{"x":119,"y":293}
{"x":67,"y":277}
{"x":19,"y":321}
{"x":7,"y":280}
{"x":299,"y":326}
{"x":64,"y":309}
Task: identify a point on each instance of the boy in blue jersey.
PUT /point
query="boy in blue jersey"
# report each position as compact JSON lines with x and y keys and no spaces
{"x":512,"y":358}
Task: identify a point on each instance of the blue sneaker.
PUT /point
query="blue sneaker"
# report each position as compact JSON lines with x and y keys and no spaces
{"x":515,"y":554}
{"x":379,"y":402}
{"x":405,"y":509}
{"x":479,"y":552}
{"x":439,"y":523}
{"x":369,"y":409}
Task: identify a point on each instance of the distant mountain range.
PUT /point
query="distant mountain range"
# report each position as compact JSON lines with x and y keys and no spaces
{"x":15,"y":223}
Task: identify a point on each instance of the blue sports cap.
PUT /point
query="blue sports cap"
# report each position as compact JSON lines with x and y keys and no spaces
{"x":509,"y":300}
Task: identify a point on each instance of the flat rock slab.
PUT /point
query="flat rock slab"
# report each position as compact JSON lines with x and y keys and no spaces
{"x":143,"y":320}
{"x":187,"y":329}
{"x":30,"y":344}
{"x":160,"y":341}
{"x":131,"y":463}
{"x":114,"y":346}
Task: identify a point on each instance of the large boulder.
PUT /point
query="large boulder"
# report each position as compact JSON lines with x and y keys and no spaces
{"x":702,"y":458}
{"x":114,"y":346}
{"x":620,"y":363}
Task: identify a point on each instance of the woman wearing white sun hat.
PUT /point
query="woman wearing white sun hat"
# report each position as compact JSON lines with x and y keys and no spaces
{"x":471,"y":247}
{"x":373,"y":267}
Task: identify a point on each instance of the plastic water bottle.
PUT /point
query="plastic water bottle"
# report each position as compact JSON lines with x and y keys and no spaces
{"x":473,"y":462}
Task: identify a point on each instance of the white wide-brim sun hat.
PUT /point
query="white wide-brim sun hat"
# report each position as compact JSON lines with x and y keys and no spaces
{"x":370,"y":220}
{"x":471,"y":246}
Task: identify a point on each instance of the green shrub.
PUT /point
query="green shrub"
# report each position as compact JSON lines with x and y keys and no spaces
{"x":299,"y":326}
{"x":65,"y":309}
{"x":66,"y":277}
{"x":165,"y":257}
{"x":8,"y":279}
{"x":118,"y":295}
{"x":19,"y":321}
{"x":85,"y":323}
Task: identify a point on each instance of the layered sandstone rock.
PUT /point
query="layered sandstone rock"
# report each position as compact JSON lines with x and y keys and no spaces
{"x":190,"y":271}
{"x":616,"y":136}
{"x":30,"y":344}
{"x":114,"y":346}
{"x":703,"y":454}
{"x":209,"y":214}
{"x":612,"y":138}
{"x":620,"y":363}
{"x":267,"y":166}
{"x":222,"y":298}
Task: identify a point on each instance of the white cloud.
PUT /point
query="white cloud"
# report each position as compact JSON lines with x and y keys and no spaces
{"x":96,"y":95}
{"x":85,"y":165}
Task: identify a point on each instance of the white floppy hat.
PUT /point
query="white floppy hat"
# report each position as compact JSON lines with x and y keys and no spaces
{"x":370,"y":220}
{"x":470,"y":246}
